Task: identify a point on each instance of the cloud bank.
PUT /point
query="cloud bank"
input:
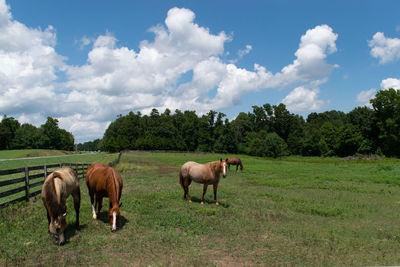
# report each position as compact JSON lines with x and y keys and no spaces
{"x":180,"y":69}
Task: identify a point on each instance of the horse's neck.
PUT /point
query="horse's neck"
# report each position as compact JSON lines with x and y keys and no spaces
{"x":114,"y":187}
{"x":215,"y":169}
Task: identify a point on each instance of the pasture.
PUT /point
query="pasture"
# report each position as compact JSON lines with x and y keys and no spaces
{"x":290,"y":211}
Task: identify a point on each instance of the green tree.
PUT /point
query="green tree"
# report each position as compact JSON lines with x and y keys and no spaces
{"x":8,"y":128}
{"x":386,"y":105}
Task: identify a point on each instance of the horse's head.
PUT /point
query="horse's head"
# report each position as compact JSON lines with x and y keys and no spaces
{"x":223,"y":167}
{"x":57,"y":227}
{"x":113,"y":216}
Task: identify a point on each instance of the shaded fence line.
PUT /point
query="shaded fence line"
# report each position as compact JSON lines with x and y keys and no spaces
{"x":32,"y":181}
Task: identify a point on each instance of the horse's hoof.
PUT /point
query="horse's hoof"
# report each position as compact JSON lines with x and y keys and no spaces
{"x":190,"y":201}
{"x":216,"y":203}
{"x":94,"y":217}
{"x":202,"y":203}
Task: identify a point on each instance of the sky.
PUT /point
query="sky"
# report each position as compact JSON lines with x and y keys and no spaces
{"x":87,"y":62}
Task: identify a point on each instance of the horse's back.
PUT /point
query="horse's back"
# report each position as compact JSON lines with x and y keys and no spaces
{"x":65,"y":182}
{"x":98,"y":174}
{"x":195,"y":171}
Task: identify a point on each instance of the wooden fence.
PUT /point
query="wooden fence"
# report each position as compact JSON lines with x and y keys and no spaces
{"x":31,"y":179}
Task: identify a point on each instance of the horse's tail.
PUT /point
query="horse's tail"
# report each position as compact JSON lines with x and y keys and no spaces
{"x":181,"y":178}
{"x":241,"y":165}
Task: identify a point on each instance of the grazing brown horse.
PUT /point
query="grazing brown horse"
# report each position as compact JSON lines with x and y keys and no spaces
{"x":104,"y":181}
{"x":234,"y":161}
{"x":206,"y":174}
{"x":56,"y":189}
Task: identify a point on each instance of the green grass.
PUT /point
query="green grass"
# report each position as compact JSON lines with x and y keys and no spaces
{"x":27,"y":153}
{"x":292,"y":211}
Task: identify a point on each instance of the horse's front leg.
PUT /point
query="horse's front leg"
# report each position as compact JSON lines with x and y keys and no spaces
{"x":237,"y":166}
{"x":204,"y":192}
{"x":215,"y":186}
{"x":99,"y":203}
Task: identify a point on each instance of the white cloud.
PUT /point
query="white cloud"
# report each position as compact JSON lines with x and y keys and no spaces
{"x":245,"y":51}
{"x":28,"y":68}
{"x":117,"y":79}
{"x":310,"y":62}
{"x":305,"y":98}
{"x":390,"y":83}
{"x":84,"y":42}
{"x":383,"y":48}
{"x":364,"y":96}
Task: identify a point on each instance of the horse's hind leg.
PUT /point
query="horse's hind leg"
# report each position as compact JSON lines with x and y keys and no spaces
{"x":91,"y":193}
{"x":215,"y":186}
{"x":77,"y":204}
{"x":186,"y":184}
{"x":204,"y":192}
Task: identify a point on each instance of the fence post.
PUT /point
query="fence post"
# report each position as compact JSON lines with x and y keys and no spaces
{"x":45,"y":172}
{"x":27,"y":183}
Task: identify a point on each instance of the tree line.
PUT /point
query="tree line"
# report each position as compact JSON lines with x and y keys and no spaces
{"x":13,"y":135}
{"x":269,"y":130}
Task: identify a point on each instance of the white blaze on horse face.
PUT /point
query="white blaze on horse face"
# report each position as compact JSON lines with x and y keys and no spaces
{"x":94,"y":212}
{"x":224,"y":169}
{"x":114,"y":225}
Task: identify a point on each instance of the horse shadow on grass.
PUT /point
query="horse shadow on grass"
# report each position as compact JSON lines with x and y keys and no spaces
{"x":103,"y":217}
{"x":198,"y":200}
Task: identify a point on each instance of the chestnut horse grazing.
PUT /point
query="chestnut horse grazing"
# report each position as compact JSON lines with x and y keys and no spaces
{"x":206,"y":174}
{"x":234,"y":161}
{"x":56,"y":189}
{"x":104,"y":181}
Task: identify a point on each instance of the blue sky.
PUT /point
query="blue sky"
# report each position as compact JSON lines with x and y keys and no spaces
{"x":85,"y":62}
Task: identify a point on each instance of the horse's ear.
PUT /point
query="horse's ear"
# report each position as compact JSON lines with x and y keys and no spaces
{"x":120,"y":204}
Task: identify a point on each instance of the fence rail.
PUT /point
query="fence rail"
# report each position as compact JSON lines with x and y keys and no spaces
{"x":31,"y":180}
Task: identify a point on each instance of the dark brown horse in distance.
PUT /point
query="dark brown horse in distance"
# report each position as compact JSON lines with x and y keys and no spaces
{"x":57,"y":187}
{"x":234,"y":161}
{"x":104,"y":181}
{"x":206,"y":174}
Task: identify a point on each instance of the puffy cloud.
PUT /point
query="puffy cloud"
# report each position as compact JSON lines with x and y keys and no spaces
{"x":310,"y":62}
{"x":116,"y":79}
{"x":303,"y":98}
{"x":383,"y":48}
{"x":364,"y":96}
{"x":390,"y":83}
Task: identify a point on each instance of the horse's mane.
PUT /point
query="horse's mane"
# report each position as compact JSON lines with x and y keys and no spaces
{"x":115,"y":184}
{"x":51,"y":199}
{"x":215,"y":165}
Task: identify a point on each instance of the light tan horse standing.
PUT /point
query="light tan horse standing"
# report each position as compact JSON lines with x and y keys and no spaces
{"x":206,"y":174}
{"x":57,"y":187}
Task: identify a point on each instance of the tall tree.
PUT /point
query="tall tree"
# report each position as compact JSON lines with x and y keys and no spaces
{"x":386,"y":105}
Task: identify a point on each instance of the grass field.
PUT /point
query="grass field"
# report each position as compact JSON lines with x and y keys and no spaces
{"x":292,"y":211}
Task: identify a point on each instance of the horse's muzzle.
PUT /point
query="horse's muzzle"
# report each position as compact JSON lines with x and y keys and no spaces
{"x":60,"y":240}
